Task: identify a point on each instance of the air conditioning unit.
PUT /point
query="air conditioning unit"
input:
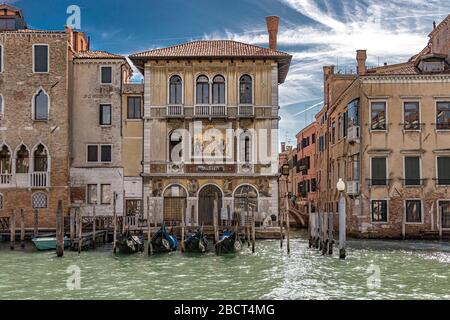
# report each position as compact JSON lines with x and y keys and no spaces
{"x":354,"y":134}
{"x":353,"y":188}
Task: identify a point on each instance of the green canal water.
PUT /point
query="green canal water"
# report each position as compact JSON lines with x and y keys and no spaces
{"x":373,"y":270}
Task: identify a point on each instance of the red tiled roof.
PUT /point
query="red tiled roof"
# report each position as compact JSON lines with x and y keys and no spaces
{"x":97,"y":55}
{"x":33,"y":31}
{"x":210,"y":49}
{"x":216,"y":49}
{"x":407,"y":68}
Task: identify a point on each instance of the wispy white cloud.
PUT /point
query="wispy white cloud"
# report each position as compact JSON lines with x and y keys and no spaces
{"x":331,"y":31}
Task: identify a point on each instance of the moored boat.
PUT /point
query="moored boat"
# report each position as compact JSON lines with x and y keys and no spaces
{"x":163,"y":241}
{"x":49,"y":243}
{"x":229,"y":243}
{"x":196,"y":242}
{"x":130,"y":244}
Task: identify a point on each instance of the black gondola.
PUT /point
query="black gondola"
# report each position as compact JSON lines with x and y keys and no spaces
{"x":196,"y":242}
{"x":229,"y":243}
{"x":163,"y":242}
{"x":130,"y":244}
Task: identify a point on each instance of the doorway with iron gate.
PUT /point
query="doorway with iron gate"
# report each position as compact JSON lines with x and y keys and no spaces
{"x":207,"y":195}
{"x":444,"y":211}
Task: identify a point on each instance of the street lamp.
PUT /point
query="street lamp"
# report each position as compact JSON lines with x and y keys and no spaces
{"x":342,"y":218}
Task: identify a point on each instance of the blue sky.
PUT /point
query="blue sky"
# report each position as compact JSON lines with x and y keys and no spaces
{"x":315,"y":32}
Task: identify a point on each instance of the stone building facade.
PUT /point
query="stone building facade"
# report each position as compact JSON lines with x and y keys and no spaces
{"x":206,"y":105}
{"x":34,"y":117}
{"x":97,"y":172}
{"x":386,"y":133}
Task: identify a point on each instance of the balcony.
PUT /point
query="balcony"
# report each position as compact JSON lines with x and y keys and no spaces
{"x":39,"y":179}
{"x":378,"y":182}
{"x":412,"y":183}
{"x":175,"y":111}
{"x":246,"y":111}
{"x":354,"y":134}
{"x":353,"y":188}
{"x":209,"y":111}
{"x":6,"y":180}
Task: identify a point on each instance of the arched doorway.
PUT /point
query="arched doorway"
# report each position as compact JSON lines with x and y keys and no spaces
{"x":207,"y":196}
{"x":175,"y":198}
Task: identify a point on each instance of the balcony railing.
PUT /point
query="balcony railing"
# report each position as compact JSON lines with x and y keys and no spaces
{"x":378,"y":182}
{"x":6,"y":179}
{"x":175,"y":111}
{"x":442,"y":182}
{"x":412,"y":126}
{"x":210,"y":111}
{"x":443,"y":126}
{"x":414,"y":182}
{"x":246,"y":111}
{"x":39,"y":179}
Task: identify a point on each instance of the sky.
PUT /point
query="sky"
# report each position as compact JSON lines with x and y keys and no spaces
{"x":315,"y":32}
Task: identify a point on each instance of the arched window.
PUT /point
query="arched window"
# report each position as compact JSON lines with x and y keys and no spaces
{"x":202,"y":90}
{"x":245,"y":147}
{"x":245,"y":90}
{"x":1,"y":201}
{"x":175,"y":147}
{"x":22,"y":160}
{"x":175,"y":90}
{"x":218,"y":91}
{"x":5,"y":160}
{"x":40,"y":159}
{"x":39,"y":200}
{"x":41,"y":106}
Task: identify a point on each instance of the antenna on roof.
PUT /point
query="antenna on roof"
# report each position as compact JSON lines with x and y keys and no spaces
{"x":434,"y":24}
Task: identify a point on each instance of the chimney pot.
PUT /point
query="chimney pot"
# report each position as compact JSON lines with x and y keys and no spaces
{"x":361,"y":58}
{"x":272,"y":28}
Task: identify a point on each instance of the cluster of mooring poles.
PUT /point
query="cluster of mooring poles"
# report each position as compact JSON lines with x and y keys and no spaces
{"x":321,"y":227}
{"x":9,"y":222}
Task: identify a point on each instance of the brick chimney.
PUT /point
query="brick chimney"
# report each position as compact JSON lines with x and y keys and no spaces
{"x":272,"y":28}
{"x":361,"y":58}
{"x":283,"y":146}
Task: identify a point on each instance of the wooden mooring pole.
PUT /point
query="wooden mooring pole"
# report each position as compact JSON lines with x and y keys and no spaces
{"x":288,"y":224}
{"x":80,"y":229}
{"x":149,"y":228}
{"x":22,"y":228}
{"x":12,"y":225}
{"x":216,"y":230}
{"x":253,"y":232}
{"x":94,"y":231}
{"x":36,"y":223}
{"x":60,"y":230}
{"x":114,"y":223}
{"x":183,"y":226}
{"x":72,"y":225}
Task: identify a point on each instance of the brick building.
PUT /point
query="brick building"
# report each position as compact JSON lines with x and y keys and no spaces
{"x":34,"y":116}
{"x":385,"y":131}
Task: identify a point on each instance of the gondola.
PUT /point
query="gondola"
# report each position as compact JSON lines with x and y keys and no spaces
{"x":228,"y":243}
{"x":196,"y":242}
{"x":163,"y":241}
{"x":129,"y":244}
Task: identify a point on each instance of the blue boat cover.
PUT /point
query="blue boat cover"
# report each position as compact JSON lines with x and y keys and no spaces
{"x":173,"y":242}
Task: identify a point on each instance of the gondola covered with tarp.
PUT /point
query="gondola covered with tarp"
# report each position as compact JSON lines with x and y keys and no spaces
{"x":162,"y":241}
{"x":130,"y":244}
{"x":229,"y":243}
{"x":196,"y":242}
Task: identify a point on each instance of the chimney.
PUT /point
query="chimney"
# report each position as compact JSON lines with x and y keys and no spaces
{"x":361,"y":58}
{"x":283,"y":146}
{"x":272,"y":28}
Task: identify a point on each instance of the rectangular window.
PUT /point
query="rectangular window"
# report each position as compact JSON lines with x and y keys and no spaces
{"x":92,"y":194}
{"x":106,"y":193}
{"x":106,"y":75}
{"x":339,"y":131}
{"x":412,"y":115}
{"x":105,"y":114}
{"x":443,"y":164}
{"x":353,"y":113}
{"x":413,"y":211}
{"x":40,"y":56}
{"x":379,"y":172}
{"x":412,"y":171}
{"x":333,"y":132}
{"x":134,"y":207}
{"x":92,"y":153}
{"x":444,"y":210}
{"x":443,"y":115}
{"x":134,"y":108}
{"x":378,"y":116}
{"x":106,"y":153}
{"x":379,"y":211}
{"x":345,"y":129}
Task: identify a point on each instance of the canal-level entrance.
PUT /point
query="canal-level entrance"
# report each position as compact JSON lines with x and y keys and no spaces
{"x":206,"y":209}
